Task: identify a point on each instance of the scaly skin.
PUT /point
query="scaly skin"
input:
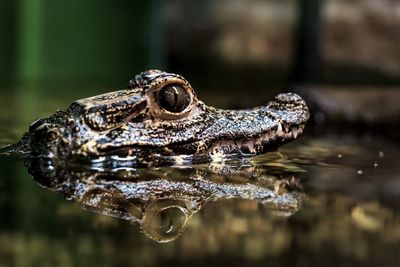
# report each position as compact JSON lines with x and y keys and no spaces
{"x":136,"y":124}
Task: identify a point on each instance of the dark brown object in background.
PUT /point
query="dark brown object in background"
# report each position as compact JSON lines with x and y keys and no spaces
{"x":307,"y":48}
{"x":355,"y":109}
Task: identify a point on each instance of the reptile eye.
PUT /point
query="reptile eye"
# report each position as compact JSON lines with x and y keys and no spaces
{"x":173,"y":98}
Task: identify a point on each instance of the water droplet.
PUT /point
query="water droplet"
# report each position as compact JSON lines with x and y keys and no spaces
{"x":359,"y":172}
{"x":381,"y":154}
{"x":339,"y":156}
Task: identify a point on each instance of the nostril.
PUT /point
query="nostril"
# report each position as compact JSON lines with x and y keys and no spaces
{"x":289,"y":98}
{"x":289,"y":102}
{"x":290,"y":109}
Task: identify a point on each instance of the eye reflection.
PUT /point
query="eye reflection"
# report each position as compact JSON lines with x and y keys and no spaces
{"x":173,"y":98}
{"x":170,"y":220}
{"x":165,"y":221}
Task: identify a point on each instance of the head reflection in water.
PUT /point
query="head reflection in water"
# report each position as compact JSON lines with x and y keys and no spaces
{"x":162,"y":201}
{"x":165,"y":220}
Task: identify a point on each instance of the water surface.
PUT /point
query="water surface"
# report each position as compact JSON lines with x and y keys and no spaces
{"x":335,"y":201}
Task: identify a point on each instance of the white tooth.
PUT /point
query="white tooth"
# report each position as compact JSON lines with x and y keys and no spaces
{"x":250,"y":145}
{"x":295,"y":133}
{"x":286,"y":127}
{"x":279,"y":132}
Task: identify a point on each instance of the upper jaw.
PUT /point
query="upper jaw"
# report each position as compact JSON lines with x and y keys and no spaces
{"x":247,"y":132}
{"x":255,"y":144}
{"x":210,"y":132}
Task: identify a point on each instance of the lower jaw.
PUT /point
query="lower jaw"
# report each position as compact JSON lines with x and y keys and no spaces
{"x":223,"y":152}
{"x":247,"y":149}
{"x":263,"y":143}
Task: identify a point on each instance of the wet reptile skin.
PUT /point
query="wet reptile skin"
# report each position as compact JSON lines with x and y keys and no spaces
{"x":132,"y":124}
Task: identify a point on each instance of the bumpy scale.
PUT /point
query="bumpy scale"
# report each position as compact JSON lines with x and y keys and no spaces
{"x":158,"y":120}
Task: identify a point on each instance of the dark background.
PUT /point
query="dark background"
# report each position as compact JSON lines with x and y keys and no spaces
{"x":77,"y":48}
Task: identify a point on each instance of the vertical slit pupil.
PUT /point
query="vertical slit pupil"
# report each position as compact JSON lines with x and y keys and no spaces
{"x":173,"y":98}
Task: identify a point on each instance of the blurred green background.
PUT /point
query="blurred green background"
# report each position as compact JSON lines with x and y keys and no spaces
{"x":50,"y":43}
{"x":219,"y":45}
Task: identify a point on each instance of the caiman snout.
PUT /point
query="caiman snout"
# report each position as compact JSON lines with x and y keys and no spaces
{"x":159,"y":119}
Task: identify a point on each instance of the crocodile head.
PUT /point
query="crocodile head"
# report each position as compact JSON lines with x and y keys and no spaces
{"x":158,"y":118}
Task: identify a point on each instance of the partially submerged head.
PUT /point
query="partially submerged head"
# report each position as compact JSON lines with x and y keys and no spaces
{"x":159,"y":118}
